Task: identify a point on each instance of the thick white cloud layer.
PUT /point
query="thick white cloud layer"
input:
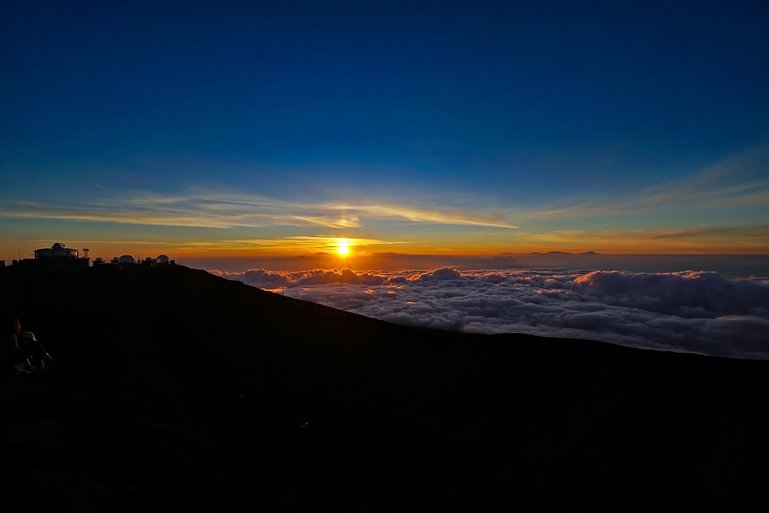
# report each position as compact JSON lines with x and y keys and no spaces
{"x":700,"y":312}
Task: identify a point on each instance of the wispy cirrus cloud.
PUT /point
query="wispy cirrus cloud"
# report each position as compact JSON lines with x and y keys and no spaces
{"x":756,"y":232}
{"x":757,"y":235}
{"x":737,"y":181}
{"x":628,"y":221}
{"x":212,"y":209}
{"x":123,"y":216}
{"x":499,"y":218}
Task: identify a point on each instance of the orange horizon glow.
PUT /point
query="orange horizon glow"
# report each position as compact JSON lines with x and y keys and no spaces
{"x":344,"y":252}
{"x":606,"y":243}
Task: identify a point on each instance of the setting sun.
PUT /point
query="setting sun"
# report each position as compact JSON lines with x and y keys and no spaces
{"x":343,"y":247}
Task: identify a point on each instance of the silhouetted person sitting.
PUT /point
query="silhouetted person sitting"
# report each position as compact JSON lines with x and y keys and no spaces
{"x":21,"y":350}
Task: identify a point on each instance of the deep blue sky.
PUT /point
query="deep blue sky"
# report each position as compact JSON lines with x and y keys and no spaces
{"x":554,"y":117}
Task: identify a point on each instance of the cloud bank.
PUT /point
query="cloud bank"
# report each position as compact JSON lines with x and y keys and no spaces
{"x":690,"y":311}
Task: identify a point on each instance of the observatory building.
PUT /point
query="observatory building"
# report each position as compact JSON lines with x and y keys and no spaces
{"x":60,"y":256}
{"x":127,"y":261}
{"x":56,"y":252}
{"x":57,"y":255}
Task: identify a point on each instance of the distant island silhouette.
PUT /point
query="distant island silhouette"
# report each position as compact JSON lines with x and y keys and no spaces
{"x":180,"y":390}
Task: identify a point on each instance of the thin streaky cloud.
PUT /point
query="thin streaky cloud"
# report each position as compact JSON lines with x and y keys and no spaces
{"x":323,"y":221}
{"x":127,"y":218}
{"x":757,"y":232}
{"x":491,"y":220}
{"x":735,"y":181}
{"x":225,"y":211}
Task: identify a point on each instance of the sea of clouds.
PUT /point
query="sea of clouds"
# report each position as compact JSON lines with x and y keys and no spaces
{"x":692,"y":311}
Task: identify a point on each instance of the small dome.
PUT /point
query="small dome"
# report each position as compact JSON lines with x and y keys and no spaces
{"x":125,"y":259}
{"x":162,"y":259}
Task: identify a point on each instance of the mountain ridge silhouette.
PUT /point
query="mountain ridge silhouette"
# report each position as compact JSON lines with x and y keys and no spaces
{"x":176,"y":388}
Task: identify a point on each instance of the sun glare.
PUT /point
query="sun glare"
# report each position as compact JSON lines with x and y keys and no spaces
{"x":343,"y":247}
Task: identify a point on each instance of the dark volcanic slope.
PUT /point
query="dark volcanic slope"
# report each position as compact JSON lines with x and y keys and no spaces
{"x":179,"y":389}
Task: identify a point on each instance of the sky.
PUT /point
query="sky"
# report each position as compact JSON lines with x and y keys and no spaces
{"x":274,"y":129}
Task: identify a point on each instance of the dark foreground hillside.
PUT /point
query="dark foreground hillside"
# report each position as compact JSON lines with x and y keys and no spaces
{"x":181,"y":390}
